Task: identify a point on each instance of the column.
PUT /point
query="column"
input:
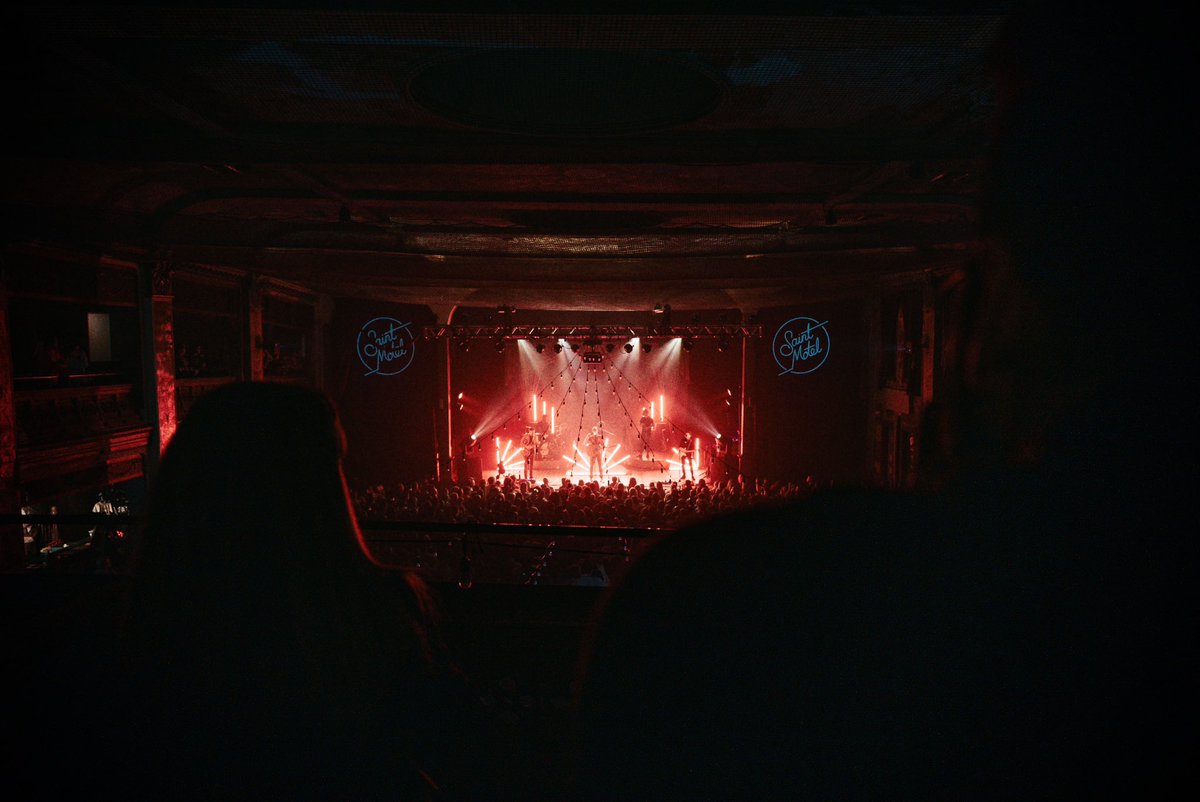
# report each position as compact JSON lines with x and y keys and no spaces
{"x":875,"y":457}
{"x":12,"y":547}
{"x":161,"y":325}
{"x":322,"y":316}
{"x":254,"y":329}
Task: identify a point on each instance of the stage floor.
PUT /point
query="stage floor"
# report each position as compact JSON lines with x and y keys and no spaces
{"x":644,"y":472}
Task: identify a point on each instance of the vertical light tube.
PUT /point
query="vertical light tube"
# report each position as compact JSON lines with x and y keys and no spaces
{"x":652,"y":410}
{"x":662,"y":408}
{"x":449,"y":403}
{"x":543,"y":409}
{"x":552,"y":419}
{"x":534,"y":407}
{"x":742,"y":409}
{"x":449,"y":407}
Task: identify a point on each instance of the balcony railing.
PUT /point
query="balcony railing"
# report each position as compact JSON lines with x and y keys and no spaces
{"x":73,"y":412}
{"x":455,"y":553}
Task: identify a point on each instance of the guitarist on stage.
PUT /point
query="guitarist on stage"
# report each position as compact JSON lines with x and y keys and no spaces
{"x":646,"y":426}
{"x":529,"y":444}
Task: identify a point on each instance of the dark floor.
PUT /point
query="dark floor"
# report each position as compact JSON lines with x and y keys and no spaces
{"x":519,"y":646}
{"x":516,"y":646}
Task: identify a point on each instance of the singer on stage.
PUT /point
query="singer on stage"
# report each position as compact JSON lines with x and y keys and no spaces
{"x":595,"y":452}
{"x":529,"y":446}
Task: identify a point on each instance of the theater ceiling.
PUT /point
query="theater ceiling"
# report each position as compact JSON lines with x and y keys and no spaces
{"x":709,"y":159}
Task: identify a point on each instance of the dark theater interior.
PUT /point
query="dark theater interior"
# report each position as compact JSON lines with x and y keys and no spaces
{"x":653,"y":401}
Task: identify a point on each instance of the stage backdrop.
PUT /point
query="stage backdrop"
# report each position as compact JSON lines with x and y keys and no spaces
{"x":809,"y":394}
{"x":383,"y":379}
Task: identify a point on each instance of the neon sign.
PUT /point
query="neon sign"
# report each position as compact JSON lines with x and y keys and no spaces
{"x":801,"y":345}
{"x":385,"y":346}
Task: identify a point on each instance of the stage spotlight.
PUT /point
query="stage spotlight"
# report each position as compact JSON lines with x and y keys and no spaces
{"x":688,"y":345}
{"x":558,"y":348}
{"x":646,"y":348}
{"x":540,"y":347}
{"x":460,"y":395}
{"x":499,"y":345}
{"x":722,"y":344}
{"x":464,"y":344}
{"x":609,"y":347}
{"x":629,"y":348}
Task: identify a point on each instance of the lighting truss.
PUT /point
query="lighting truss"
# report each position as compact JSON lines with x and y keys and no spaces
{"x":594,"y":335}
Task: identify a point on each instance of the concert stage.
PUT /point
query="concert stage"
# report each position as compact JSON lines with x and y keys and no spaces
{"x":570,"y":401}
{"x":644,"y":471}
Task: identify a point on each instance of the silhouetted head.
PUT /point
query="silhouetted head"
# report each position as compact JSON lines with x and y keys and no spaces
{"x":760,"y":656}
{"x":254,"y":467}
{"x":255,"y":609}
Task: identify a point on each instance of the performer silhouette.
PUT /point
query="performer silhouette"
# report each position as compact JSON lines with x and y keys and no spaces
{"x":595,"y":452}
{"x":646,"y":431}
{"x":687,"y":456}
{"x":529,"y":446}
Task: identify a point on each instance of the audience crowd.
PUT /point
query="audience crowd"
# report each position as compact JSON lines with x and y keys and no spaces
{"x":655,"y":505}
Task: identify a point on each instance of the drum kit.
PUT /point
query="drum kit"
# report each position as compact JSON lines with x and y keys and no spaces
{"x":544,"y":448}
{"x":540,"y":444}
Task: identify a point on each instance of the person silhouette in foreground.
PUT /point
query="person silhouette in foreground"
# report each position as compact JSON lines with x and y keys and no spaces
{"x":1019,"y":629}
{"x":264,"y":653}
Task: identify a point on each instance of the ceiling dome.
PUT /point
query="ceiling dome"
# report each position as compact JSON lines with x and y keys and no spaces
{"x":556,"y":92}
